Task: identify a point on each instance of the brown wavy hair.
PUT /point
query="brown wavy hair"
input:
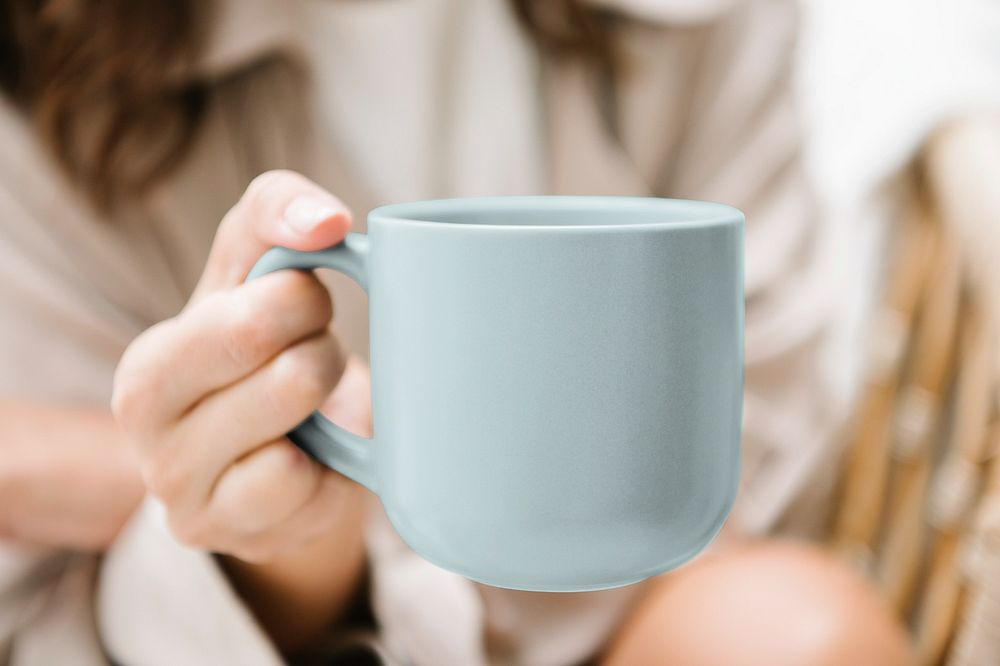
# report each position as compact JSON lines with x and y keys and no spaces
{"x":104,"y":81}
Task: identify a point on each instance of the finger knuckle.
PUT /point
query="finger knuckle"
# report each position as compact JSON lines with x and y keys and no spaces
{"x":285,"y":459}
{"x":137,"y":379}
{"x":235,"y":512}
{"x":212,"y":302}
{"x":313,"y":298}
{"x":283,"y":479}
{"x":126,"y":399}
{"x":252,"y":334}
{"x":299,"y":292}
{"x":164,"y":479}
{"x":141,"y":375}
{"x":301,"y":381}
{"x":128,"y":388}
{"x":188,"y":531}
{"x":130,"y":401}
{"x":243,"y":510}
{"x":259,"y":190}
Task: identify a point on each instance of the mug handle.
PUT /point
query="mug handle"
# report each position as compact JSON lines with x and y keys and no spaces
{"x":322,"y":439}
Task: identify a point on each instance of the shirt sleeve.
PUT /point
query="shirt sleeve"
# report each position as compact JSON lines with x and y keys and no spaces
{"x":59,"y":340}
{"x":160,"y":602}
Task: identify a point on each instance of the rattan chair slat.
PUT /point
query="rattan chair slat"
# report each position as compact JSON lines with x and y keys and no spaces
{"x":867,"y":458}
{"x":917,"y":423}
{"x":920,"y":488}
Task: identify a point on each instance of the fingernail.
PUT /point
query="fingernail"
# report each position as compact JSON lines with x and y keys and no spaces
{"x":305,"y":213}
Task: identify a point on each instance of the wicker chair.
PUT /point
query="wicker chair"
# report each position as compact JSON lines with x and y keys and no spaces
{"x":919,"y":504}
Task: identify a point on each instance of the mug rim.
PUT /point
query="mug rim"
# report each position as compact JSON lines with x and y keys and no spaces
{"x":703,"y":214}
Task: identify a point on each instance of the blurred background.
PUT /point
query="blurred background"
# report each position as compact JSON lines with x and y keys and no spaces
{"x":901,"y":102}
{"x":862,"y":138}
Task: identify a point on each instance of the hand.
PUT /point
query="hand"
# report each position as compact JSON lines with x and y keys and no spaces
{"x":206,"y":397}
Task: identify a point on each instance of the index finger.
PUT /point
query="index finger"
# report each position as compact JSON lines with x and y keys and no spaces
{"x":278,"y":208}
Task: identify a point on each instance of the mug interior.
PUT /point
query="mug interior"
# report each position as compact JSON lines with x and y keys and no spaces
{"x":562,"y":211}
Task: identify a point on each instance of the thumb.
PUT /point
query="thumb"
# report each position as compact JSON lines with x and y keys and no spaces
{"x":278,"y":208}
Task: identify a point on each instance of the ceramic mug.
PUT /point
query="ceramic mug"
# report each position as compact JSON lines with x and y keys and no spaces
{"x":556,"y":382}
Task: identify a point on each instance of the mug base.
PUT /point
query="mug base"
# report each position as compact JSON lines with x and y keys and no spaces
{"x":526,"y":585}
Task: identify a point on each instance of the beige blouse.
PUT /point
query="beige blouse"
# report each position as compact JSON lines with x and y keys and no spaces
{"x":418,"y":98}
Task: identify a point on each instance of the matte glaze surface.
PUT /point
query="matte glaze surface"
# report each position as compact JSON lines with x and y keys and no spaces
{"x":557,"y":382}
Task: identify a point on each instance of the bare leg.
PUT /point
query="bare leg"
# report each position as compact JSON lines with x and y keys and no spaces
{"x":767,"y":604}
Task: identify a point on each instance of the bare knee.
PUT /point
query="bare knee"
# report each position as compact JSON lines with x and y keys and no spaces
{"x":775,"y":603}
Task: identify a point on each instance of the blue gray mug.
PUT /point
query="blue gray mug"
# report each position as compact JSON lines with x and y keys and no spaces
{"x":557,"y":382}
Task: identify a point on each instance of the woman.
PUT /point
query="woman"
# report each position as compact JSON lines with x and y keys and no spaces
{"x":130,"y":129}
